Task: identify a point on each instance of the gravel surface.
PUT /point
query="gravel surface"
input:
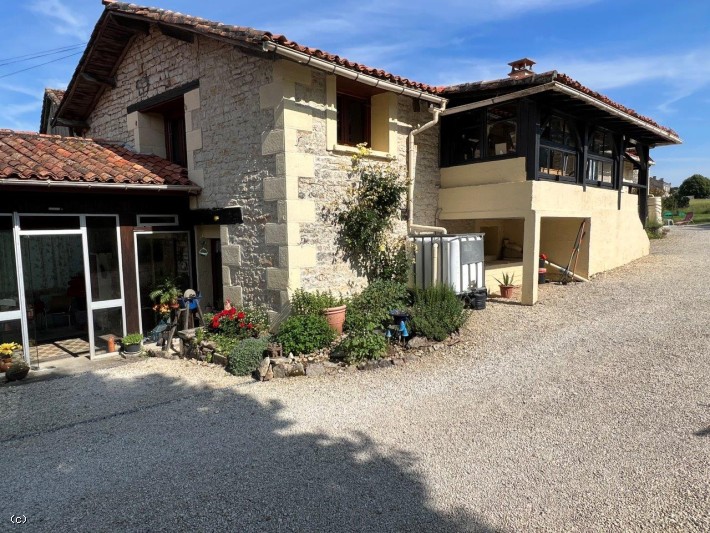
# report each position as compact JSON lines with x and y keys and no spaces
{"x":587,"y":412}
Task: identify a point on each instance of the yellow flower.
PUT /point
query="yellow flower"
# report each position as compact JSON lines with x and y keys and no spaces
{"x":7,"y":348}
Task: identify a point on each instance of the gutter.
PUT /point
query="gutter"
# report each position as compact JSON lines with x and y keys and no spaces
{"x":190,"y":189}
{"x":331,"y":68}
{"x":411,"y":175}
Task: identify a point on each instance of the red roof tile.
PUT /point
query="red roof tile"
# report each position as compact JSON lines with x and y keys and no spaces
{"x":32,"y":156}
{"x":256,"y":37}
{"x":55,"y":95}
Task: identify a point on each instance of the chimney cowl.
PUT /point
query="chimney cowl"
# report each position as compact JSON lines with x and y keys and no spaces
{"x":521,"y":68}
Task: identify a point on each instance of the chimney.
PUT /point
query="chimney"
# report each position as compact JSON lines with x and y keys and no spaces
{"x":522,"y":68}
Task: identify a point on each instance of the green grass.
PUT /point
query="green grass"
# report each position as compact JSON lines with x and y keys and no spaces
{"x":700,"y":209}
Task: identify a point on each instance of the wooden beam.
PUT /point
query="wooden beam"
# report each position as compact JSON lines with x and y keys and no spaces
{"x":131,"y":24}
{"x":176,"y":33}
{"x":642,"y":152}
{"x":79,"y":124}
{"x":101,"y":80}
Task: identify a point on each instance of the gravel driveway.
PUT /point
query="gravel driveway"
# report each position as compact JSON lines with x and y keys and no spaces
{"x":587,"y":412}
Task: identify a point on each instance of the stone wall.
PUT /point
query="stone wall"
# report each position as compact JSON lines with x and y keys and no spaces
{"x":330,"y":182}
{"x":256,"y":136}
{"x":224,"y":126}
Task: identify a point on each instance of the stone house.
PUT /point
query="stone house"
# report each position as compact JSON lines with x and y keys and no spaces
{"x":255,"y":133}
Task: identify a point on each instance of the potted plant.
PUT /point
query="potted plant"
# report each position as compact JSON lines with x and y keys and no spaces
{"x":334,"y":311}
{"x":18,"y":369}
{"x":132,"y":343}
{"x":165,"y":293}
{"x":7,"y":350}
{"x":506,"y":285}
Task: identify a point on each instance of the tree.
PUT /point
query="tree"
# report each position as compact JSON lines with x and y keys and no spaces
{"x":696,"y":185}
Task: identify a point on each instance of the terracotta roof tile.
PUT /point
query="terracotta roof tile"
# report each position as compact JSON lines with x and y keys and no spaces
{"x":32,"y":156}
{"x":546,"y":77}
{"x":256,"y":37}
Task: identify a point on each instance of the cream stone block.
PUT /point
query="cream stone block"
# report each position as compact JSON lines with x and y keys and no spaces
{"x":296,"y":164}
{"x":232,"y":255}
{"x":233,"y":293}
{"x":192,"y":99}
{"x":283,"y":279}
{"x":297,"y":256}
{"x":297,"y":116}
{"x":292,"y":71}
{"x":197,"y":176}
{"x":193,"y":140}
{"x":224,"y":235}
{"x":271,"y":95}
{"x":273,"y":142}
{"x":302,"y":211}
{"x":280,"y":189}
{"x":286,"y":234}
{"x":226,"y":276}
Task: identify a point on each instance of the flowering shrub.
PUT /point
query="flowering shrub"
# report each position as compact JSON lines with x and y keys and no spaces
{"x":239,"y":323}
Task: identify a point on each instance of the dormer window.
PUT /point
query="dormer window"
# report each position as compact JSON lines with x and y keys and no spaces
{"x":171,"y":116}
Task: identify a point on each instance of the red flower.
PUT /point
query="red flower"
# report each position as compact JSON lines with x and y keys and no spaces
{"x":242,"y":315}
{"x":250,"y":325}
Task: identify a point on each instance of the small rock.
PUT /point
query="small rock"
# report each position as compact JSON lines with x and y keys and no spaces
{"x":269,"y":375}
{"x":384,"y":363}
{"x":411,"y":359}
{"x":398,"y":361}
{"x":219,"y":359}
{"x":417,"y":342}
{"x":264,"y":367}
{"x":295,"y":369}
{"x":279,"y":360}
{"x":279,"y":371}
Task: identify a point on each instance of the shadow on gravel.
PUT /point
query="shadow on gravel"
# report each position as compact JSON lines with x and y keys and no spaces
{"x":703,"y":432}
{"x":157,"y":454}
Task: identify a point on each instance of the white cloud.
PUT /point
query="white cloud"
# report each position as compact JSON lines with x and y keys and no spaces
{"x":22,"y":117}
{"x":69,"y":23}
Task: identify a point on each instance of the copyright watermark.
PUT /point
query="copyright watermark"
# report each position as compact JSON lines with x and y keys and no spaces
{"x":18,"y":519}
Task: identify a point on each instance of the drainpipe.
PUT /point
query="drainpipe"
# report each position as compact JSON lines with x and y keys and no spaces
{"x":411,"y":175}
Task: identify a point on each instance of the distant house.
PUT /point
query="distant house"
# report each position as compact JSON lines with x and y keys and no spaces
{"x":660,"y":186}
{"x":50,"y":104}
{"x":250,"y":136}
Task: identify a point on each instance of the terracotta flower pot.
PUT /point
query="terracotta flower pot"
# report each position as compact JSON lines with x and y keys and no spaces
{"x":5,"y":364}
{"x":506,"y":291}
{"x":336,"y":317}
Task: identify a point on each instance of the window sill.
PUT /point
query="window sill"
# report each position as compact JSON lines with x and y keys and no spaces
{"x":353,"y":150}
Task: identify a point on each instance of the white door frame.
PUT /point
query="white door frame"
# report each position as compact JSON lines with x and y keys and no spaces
{"x":91,"y":306}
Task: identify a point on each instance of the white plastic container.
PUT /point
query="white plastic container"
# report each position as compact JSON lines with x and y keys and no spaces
{"x":455,"y":260}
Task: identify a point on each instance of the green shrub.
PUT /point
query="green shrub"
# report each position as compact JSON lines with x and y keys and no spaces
{"x":437,"y":312}
{"x":305,"y":334}
{"x":370,"y":309}
{"x":313,"y":303}
{"x":246,"y":355}
{"x":362,"y":345}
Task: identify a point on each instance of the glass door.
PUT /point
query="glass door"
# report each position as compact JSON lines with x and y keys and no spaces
{"x":106,"y":283}
{"x":55,"y":292}
{"x":160,"y":255}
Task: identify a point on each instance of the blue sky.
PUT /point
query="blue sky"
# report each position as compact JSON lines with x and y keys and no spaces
{"x":650,"y":55}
